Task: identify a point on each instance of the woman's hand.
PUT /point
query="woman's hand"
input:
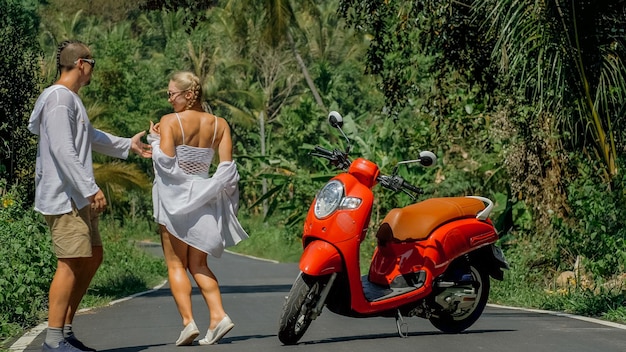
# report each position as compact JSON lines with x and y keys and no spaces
{"x":155,"y":129}
{"x":155,"y":132}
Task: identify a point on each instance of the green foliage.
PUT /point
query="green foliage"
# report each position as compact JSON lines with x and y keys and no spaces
{"x":123,"y":183}
{"x":616,"y":314}
{"x":113,"y":11}
{"x":128,"y":94}
{"x":596,"y":228}
{"x":394,"y":47}
{"x":127,"y":267}
{"x":178,"y":4}
{"x":267,"y":240}
{"x":580,"y":42}
{"x":586,"y":302}
{"x":522,"y":288}
{"x":411,"y":76}
{"x":531,"y":268}
{"x":288,"y":164}
{"x":18,"y":88}
{"x":27,"y":266}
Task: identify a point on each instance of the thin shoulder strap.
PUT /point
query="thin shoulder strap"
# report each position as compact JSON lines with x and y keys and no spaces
{"x":214,"y":132}
{"x":181,"y":127}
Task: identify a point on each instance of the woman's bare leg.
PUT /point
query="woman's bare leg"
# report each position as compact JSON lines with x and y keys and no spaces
{"x":175,"y":252}
{"x":207,"y":282}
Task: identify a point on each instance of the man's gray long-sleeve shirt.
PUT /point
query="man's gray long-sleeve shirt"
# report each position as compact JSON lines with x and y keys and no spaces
{"x":64,"y":169}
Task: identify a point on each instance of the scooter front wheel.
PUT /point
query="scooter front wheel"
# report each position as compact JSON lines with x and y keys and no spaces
{"x":298,"y":310}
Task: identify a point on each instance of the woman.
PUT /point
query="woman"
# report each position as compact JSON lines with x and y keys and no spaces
{"x":196,"y":214}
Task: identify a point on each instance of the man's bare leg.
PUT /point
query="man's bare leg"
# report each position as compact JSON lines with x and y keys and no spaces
{"x":61,"y":289}
{"x":83,"y":281}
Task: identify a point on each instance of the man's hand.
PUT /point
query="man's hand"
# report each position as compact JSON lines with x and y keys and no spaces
{"x":98,"y":202}
{"x":140,"y":148}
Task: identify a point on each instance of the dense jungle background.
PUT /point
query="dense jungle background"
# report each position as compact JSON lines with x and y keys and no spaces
{"x":522,"y":101}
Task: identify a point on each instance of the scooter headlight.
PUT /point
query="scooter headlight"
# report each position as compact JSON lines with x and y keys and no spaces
{"x":328,"y":199}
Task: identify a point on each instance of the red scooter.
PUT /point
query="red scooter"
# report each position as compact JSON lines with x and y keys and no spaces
{"x":433,"y":258}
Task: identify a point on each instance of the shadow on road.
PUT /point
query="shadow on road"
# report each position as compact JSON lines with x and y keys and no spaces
{"x":228,"y":340}
{"x":395,"y":336}
{"x":516,"y":314}
{"x":131,"y":348}
{"x":255,"y":289}
{"x":165,"y":291}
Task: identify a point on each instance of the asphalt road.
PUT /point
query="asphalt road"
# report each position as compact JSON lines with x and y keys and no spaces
{"x":253,"y":293}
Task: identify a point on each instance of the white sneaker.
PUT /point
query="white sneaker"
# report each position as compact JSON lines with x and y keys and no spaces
{"x":189,"y":333}
{"x":212,"y":336}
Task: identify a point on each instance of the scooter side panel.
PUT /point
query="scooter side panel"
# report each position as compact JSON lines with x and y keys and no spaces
{"x":434,"y":254}
{"x":397,"y":259}
{"x":458,"y":238}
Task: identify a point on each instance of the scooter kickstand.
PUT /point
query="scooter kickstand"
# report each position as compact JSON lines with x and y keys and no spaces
{"x":401,"y":325}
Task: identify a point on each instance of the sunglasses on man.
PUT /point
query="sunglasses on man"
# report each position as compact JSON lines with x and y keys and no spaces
{"x":92,"y":62}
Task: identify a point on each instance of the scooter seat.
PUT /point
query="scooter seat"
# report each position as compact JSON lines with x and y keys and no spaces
{"x":417,"y":221}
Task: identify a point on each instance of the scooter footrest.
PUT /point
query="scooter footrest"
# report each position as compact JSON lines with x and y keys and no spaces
{"x":374,"y":292}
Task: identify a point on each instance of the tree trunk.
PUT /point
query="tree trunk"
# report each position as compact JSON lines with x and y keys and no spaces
{"x":305,"y":72}
{"x":263,"y":151}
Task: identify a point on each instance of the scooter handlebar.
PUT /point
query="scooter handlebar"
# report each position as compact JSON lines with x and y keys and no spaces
{"x":340,"y":160}
{"x":337,"y":158}
{"x":412,"y":188}
{"x":397,"y":183}
{"x":322,"y":152}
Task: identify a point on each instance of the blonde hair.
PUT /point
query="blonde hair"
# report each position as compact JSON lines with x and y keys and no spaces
{"x":187,"y":81}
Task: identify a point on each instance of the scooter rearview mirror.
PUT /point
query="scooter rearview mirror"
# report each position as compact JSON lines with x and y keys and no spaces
{"x":335,"y":119}
{"x":428,"y":158}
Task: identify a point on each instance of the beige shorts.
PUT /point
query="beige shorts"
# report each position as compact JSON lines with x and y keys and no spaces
{"x":73,"y":234}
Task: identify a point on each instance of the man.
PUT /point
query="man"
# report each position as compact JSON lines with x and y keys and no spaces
{"x":66,"y":192}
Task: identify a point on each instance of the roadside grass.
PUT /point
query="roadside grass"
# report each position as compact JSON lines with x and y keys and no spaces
{"x":269,"y":241}
{"x":127,"y":268}
{"x":617,"y":315}
{"x":26,"y":268}
{"x":527,"y":289}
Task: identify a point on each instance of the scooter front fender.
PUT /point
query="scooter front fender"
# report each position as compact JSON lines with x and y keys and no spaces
{"x":320,"y":258}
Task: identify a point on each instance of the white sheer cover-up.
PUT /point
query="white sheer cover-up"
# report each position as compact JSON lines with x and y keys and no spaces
{"x":199,"y":210}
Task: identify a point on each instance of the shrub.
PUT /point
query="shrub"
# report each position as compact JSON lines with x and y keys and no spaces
{"x":596,"y":229}
{"x":18,"y":89}
{"x":26,"y":268}
{"x":126,"y":269}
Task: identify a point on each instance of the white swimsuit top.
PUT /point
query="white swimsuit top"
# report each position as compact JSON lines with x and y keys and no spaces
{"x":194,"y":160}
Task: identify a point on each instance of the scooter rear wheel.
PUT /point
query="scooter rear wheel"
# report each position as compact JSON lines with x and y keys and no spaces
{"x":458,"y":321}
{"x":297,"y":312}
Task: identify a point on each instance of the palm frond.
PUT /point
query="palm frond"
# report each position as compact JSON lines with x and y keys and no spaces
{"x":541,"y":48}
{"x":120,"y":177}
